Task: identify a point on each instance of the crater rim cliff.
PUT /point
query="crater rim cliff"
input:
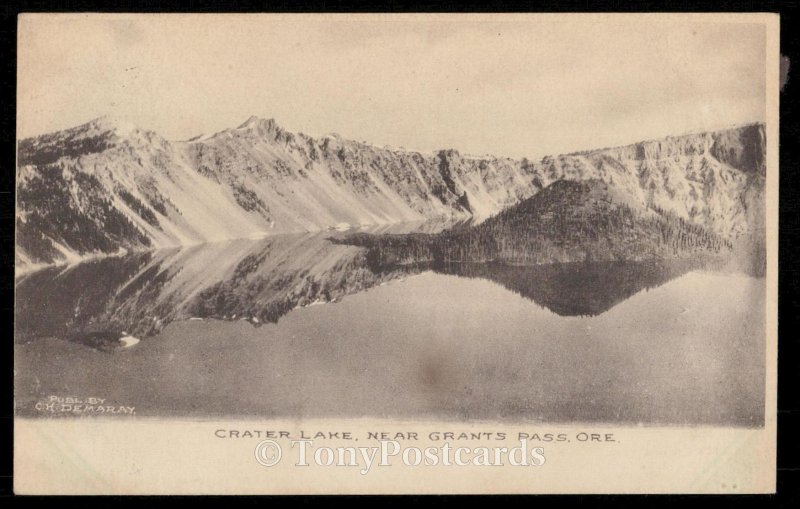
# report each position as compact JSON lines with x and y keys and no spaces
{"x":130,"y":189}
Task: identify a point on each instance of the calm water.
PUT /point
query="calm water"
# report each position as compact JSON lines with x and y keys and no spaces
{"x":297,"y":326}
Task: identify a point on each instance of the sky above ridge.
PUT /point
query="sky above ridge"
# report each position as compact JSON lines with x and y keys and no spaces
{"x":483,"y":84}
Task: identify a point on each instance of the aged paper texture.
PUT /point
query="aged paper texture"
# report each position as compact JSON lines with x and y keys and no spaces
{"x":290,"y":254}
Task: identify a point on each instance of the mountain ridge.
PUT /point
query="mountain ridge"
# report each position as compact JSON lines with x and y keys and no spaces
{"x":567,"y":222}
{"x":108,"y":185}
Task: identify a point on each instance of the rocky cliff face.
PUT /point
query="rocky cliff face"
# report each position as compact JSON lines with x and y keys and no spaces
{"x":107,"y":186}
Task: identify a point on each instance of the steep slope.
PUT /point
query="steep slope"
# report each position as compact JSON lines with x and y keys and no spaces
{"x":108,"y":186}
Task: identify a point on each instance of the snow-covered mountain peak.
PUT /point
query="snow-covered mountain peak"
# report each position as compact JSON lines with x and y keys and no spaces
{"x":118,"y":125}
{"x":255,"y":122}
{"x":93,"y":137}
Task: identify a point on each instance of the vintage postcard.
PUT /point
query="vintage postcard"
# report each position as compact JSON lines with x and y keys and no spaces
{"x":496,"y":253}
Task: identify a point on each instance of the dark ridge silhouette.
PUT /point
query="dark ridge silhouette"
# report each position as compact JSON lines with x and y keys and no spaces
{"x":568,"y":221}
{"x":578,"y":289}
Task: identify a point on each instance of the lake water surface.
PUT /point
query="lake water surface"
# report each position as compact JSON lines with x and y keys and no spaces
{"x":298,"y":327}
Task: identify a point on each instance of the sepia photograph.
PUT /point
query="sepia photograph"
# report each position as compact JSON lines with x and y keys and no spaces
{"x":265,"y":236}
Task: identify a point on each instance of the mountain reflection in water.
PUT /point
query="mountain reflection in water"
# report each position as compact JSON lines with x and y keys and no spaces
{"x":261,"y":280}
{"x":578,"y":289}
